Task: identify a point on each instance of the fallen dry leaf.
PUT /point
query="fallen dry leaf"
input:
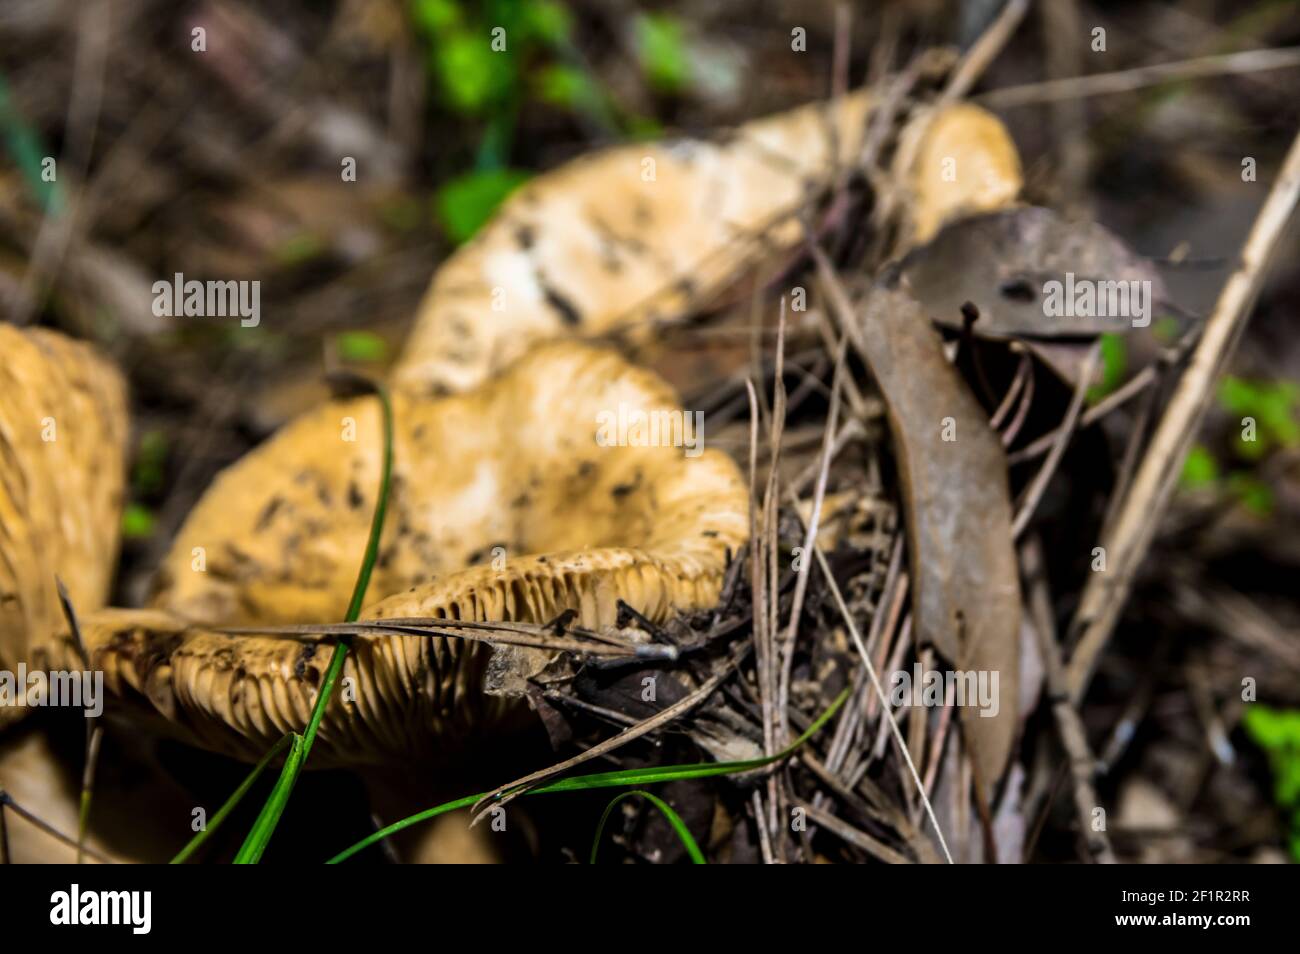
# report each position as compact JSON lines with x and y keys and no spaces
{"x":958,"y":511}
{"x":1001,"y":262}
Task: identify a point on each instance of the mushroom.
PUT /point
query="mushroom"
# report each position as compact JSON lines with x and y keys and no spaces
{"x":625,"y":236}
{"x":960,"y":160}
{"x":622,"y":239}
{"x":503,"y":464}
{"x":62,"y":445}
{"x":504,"y":506}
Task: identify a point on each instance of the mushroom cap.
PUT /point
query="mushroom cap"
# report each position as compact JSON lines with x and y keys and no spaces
{"x":515,"y":464}
{"x":63,"y":431}
{"x":958,"y":160}
{"x":621,"y":238}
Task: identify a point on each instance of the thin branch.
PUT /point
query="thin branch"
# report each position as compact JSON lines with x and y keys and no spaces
{"x":504,"y":794}
{"x":855,"y":836}
{"x":1123,"y":81}
{"x":1136,"y":522}
{"x":7,"y":801}
{"x":880,"y":693}
{"x":1069,"y":726}
{"x":985,"y":50}
{"x":1121,"y":395}
{"x":1034,"y":493}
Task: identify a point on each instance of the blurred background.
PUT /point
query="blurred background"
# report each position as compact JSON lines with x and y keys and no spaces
{"x":231,"y":161}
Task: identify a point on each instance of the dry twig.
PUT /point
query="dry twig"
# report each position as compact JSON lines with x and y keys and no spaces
{"x":1136,"y":521}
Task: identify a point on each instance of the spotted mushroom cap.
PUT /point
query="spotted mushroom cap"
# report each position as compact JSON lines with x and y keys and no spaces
{"x":63,"y":433}
{"x":516,"y":501}
{"x":623,"y":237}
{"x":619,"y":240}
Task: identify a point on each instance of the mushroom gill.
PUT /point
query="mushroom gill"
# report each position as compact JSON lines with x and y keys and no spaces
{"x":504,"y":506}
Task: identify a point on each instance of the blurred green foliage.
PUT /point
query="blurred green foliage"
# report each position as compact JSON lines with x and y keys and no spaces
{"x":1271,"y":405}
{"x":661,"y":50}
{"x":467,"y":201}
{"x":362,"y":346}
{"x":1114,"y":364}
{"x":1277,"y":732}
{"x":300,"y":248}
{"x":137,"y":521}
{"x":488,"y":61}
{"x":148,"y":472}
{"x":24,"y":148}
{"x":1200,"y":469}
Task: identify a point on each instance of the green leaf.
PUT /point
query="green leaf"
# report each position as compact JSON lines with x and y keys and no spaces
{"x":1272,"y":729}
{"x":1271,"y":405}
{"x":679,"y":826}
{"x":150,"y":458}
{"x":434,"y":16}
{"x":232,"y":802}
{"x":471,"y":75}
{"x":466,"y":202}
{"x":364,"y":346}
{"x":1254,"y":494}
{"x":662,"y":51}
{"x":547,"y":20}
{"x":1114,"y":363}
{"x":643,"y":128}
{"x":24,"y":147}
{"x":1200,"y":469}
{"x":137,"y":521}
{"x":1277,"y":732}
{"x":251,"y":851}
{"x":565,"y":86}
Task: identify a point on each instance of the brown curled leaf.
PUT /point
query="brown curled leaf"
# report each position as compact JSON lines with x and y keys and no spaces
{"x":1003,"y":261}
{"x":505,"y":506}
{"x":962,"y":162}
{"x":958,"y":511}
{"x":63,"y":432}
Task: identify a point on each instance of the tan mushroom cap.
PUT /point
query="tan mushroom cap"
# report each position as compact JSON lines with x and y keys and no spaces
{"x":624,"y":237}
{"x":63,"y":433}
{"x":515,"y":464}
{"x":621,"y":239}
{"x":960,"y":160}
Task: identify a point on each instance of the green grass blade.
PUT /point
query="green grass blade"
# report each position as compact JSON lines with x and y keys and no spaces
{"x":231,"y":803}
{"x":264,"y":827}
{"x":615,"y":779}
{"x":24,"y":147}
{"x":674,"y":819}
